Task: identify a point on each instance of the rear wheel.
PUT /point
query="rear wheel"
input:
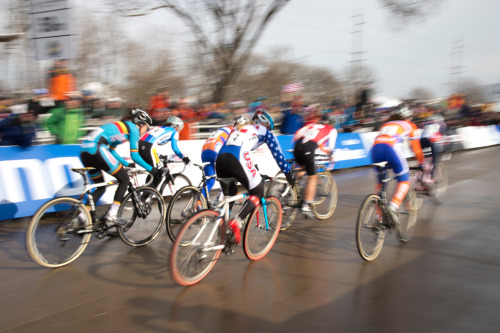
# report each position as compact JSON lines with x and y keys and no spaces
{"x":370,"y":233}
{"x":59,"y":232}
{"x":185,"y":203}
{"x":141,"y":227}
{"x":287,"y":195}
{"x":325,"y":200}
{"x":407,"y":217}
{"x":197,"y":248}
{"x":259,"y":237}
{"x":440,"y":182}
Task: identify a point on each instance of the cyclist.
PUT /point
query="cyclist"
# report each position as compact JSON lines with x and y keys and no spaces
{"x":98,"y":151}
{"x":433,"y":130}
{"x":388,"y":147}
{"x":311,"y":140}
{"x":234,"y":161}
{"x":159,"y":136}
{"x":210,"y":150}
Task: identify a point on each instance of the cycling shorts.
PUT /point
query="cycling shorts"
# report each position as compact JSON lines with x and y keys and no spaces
{"x":227,"y":165}
{"x":382,"y":152}
{"x":304,"y":155}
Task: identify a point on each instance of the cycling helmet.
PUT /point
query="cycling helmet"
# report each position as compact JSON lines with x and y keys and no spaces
{"x":263,"y":117}
{"x":403,"y":112}
{"x":141,"y":117}
{"x":240,"y":120}
{"x":329,"y":120}
{"x":174,"y":121}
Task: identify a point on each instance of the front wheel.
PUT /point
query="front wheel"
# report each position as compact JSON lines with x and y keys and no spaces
{"x":59,"y":232}
{"x":287,"y":195}
{"x":325,"y":200}
{"x":184,"y":204}
{"x":370,"y":232}
{"x":197,"y":248}
{"x":143,"y":213}
{"x":168,"y":189}
{"x":262,"y":229}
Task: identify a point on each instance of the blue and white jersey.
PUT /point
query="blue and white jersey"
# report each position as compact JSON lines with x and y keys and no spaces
{"x":159,"y":136}
{"x":249,"y":138}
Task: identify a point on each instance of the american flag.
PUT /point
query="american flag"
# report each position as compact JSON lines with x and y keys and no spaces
{"x":292,"y":87}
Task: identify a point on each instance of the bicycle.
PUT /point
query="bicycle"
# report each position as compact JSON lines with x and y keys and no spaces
{"x":171,"y":183}
{"x":435,"y":190}
{"x":206,"y":234}
{"x":186,"y":202}
{"x":60,"y":230}
{"x":374,"y":221}
{"x":325,"y":200}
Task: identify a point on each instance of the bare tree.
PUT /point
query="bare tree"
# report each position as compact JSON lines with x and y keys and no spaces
{"x":225,"y":32}
{"x":421,"y":93}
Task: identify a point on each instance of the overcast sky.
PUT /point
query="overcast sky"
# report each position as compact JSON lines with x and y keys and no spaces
{"x":402,"y":56}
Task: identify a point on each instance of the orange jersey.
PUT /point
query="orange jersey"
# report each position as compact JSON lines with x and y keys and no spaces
{"x":399,"y":131}
{"x":217,"y":139}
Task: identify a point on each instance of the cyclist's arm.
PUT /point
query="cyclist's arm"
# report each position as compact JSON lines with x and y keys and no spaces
{"x":415,"y":145}
{"x":134,"y":150}
{"x":175,"y":148}
{"x":275,"y":148}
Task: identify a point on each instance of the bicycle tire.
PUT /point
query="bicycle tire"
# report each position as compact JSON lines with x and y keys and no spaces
{"x":141,"y":230}
{"x":287,"y":195}
{"x":52,"y":237}
{"x":325,"y":200}
{"x":418,"y":196}
{"x":180,"y":181}
{"x":189,"y":264}
{"x":181,"y":207}
{"x":440,"y":185}
{"x":257,"y":239}
{"x":369,"y":230}
{"x":407,"y":218}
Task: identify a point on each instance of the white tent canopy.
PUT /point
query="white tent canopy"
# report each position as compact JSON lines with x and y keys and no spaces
{"x":382,"y":102}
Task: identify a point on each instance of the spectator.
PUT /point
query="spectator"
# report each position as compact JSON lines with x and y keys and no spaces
{"x":293,"y":120}
{"x":114,"y":108}
{"x":188,"y":116}
{"x":66,"y":121}
{"x":18,"y":129}
{"x":61,"y":81}
{"x":41,"y":103}
{"x":6,"y":103}
{"x":158,"y":106}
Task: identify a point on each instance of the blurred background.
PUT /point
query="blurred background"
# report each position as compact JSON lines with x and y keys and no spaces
{"x":68,"y":66}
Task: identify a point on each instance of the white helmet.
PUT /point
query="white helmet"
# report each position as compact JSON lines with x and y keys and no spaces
{"x":240,"y":120}
{"x":174,"y":121}
{"x":403,"y":112}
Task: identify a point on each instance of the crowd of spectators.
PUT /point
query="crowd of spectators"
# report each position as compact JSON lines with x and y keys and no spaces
{"x":68,"y":114}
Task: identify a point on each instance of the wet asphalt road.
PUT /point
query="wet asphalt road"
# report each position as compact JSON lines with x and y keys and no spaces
{"x":445,"y":280}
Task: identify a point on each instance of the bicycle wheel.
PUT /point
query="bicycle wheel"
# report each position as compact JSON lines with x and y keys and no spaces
{"x":180,"y":181}
{"x":197,"y":248}
{"x":369,"y":232}
{"x":407,"y":217}
{"x":325,"y":200}
{"x":287,"y":196}
{"x":416,"y":189}
{"x":141,"y":227}
{"x":259,"y":239}
{"x":58,"y":233}
{"x":440,"y":182}
{"x":184,"y":204}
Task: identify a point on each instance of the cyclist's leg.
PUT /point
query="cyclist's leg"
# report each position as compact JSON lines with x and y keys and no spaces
{"x":209,"y":156}
{"x":304,"y":156}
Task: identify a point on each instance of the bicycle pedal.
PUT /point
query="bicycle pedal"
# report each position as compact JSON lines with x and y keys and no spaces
{"x":229,"y":247}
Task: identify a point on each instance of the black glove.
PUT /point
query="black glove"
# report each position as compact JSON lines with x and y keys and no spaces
{"x":131,"y":165}
{"x":155,"y":171}
{"x":290,"y":178}
{"x":186,"y":160}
